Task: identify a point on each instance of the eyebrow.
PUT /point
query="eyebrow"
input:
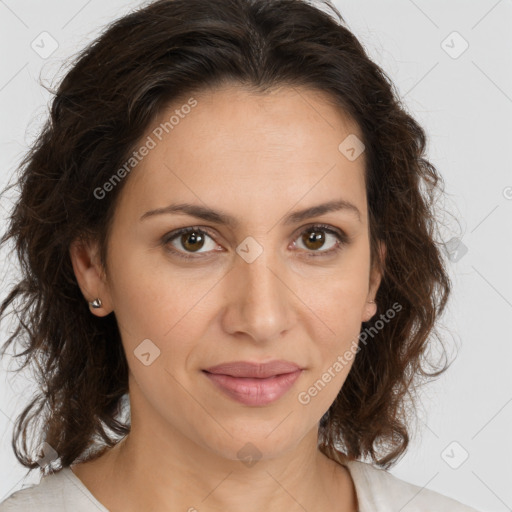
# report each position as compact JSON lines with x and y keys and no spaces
{"x":219,"y":217}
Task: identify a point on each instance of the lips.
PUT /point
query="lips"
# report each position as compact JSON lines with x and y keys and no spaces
{"x":254,"y":384}
{"x":254,"y":370}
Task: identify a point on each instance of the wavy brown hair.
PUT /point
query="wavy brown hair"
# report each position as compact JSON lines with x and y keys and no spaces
{"x":104,"y":105}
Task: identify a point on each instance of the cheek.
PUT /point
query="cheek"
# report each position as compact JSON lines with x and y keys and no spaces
{"x":157,"y":302}
{"x":336,"y":340}
{"x":337,"y":300}
{"x":145,"y":300}
{"x":336,"y":306}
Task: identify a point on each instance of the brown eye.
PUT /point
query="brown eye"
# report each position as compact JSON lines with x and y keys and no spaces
{"x":315,"y":238}
{"x":192,"y":241}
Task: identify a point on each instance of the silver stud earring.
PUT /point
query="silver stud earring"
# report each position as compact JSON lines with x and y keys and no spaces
{"x":96,"y":303}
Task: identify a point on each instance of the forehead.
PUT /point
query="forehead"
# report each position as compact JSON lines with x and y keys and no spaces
{"x":285,"y":119}
{"x":250,"y":147}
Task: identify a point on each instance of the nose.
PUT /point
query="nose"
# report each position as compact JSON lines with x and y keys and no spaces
{"x":259,"y":301}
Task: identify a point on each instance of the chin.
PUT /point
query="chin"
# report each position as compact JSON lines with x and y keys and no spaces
{"x":255,"y":445}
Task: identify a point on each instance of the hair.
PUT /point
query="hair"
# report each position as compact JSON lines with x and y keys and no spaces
{"x":115,"y":89}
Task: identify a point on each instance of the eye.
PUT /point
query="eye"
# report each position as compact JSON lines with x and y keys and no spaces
{"x":193,"y":239}
{"x":315,"y":237}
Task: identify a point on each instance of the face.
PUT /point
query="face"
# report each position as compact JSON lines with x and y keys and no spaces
{"x":267,"y":286}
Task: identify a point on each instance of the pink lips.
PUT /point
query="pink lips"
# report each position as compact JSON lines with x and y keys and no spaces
{"x":253,"y":383}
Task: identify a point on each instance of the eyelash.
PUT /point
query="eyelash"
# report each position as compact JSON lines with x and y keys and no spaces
{"x":343,"y":239}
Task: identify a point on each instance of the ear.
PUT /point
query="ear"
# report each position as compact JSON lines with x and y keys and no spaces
{"x":90,"y":274}
{"x":375,"y":279}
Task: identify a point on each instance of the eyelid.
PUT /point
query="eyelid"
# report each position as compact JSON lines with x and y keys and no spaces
{"x":342,"y":239}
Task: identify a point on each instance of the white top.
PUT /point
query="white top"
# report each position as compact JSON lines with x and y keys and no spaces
{"x":377,"y":491}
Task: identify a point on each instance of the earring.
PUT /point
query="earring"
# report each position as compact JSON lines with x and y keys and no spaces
{"x":96,"y":303}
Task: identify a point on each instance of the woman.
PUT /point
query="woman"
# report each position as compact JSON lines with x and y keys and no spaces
{"x":264,"y":364}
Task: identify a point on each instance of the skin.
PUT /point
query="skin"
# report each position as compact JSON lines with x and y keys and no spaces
{"x":258,"y":158}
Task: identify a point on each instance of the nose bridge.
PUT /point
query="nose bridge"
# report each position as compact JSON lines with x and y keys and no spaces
{"x":260,"y":304}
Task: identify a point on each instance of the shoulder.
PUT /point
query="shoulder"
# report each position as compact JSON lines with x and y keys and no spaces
{"x":378,"y":490}
{"x":58,"y":492}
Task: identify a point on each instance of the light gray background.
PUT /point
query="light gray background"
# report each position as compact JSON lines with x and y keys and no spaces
{"x":465,"y":104}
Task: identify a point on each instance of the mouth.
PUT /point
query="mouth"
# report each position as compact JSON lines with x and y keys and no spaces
{"x":254,"y":369}
{"x":254,"y":391}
